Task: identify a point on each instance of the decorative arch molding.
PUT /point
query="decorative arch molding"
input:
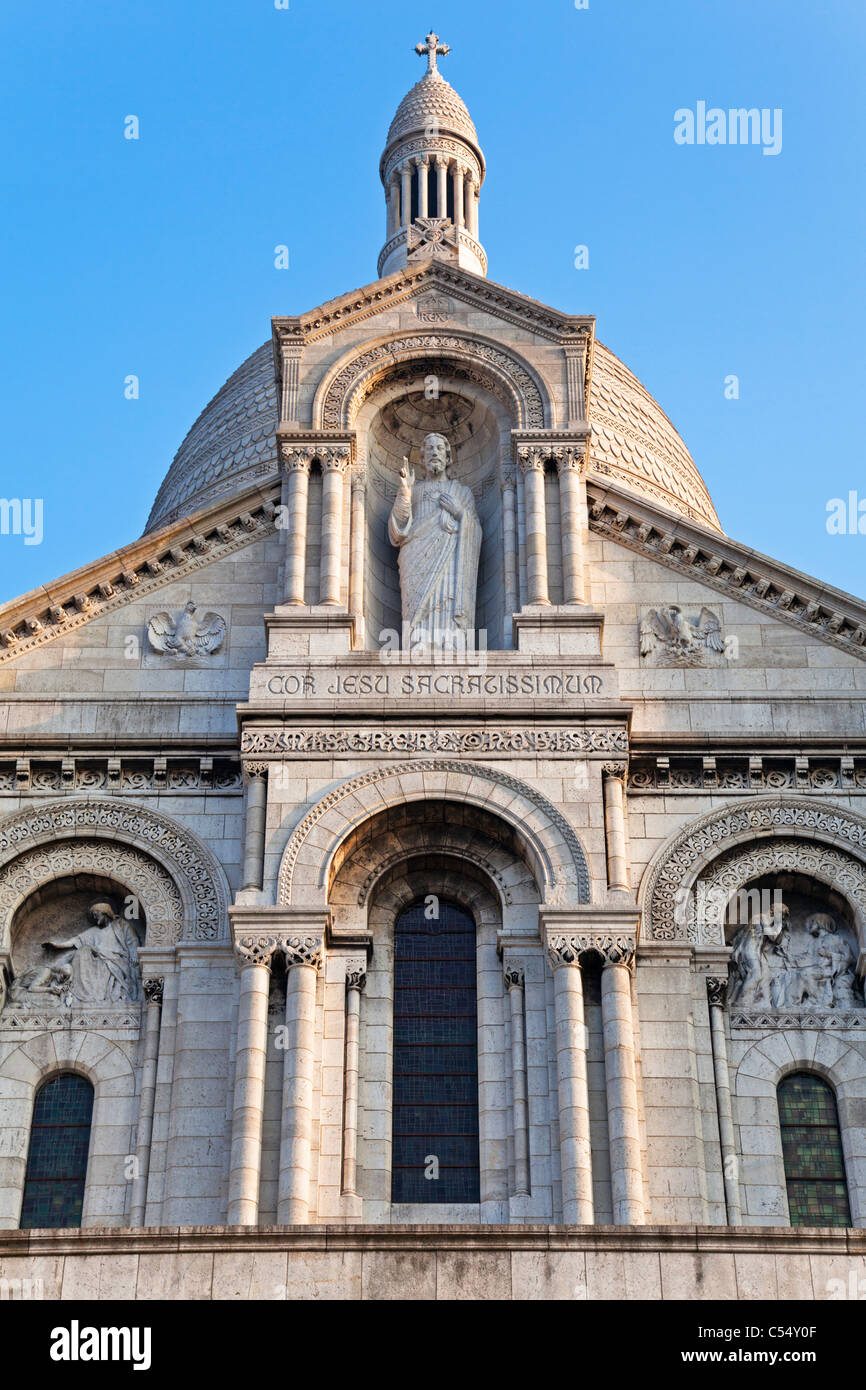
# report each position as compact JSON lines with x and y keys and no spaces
{"x":667,"y":895}
{"x":171,"y":851}
{"x":549,"y":842}
{"x":716,"y":887}
{"x":138,"y":872}
{"x":344,"y":389}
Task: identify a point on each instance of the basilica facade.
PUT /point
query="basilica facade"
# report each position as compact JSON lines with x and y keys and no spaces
{"x":433,"y":856}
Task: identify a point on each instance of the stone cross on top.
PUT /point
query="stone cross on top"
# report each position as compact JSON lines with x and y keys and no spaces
{"x":431,"y":46}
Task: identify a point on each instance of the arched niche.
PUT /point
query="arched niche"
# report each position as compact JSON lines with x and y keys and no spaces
{"x":406,"y":405}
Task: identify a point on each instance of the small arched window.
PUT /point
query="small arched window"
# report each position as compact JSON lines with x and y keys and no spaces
{"x":812,"y":1149}
{"x":57,"y":1157}
{"x":434,"y":1156}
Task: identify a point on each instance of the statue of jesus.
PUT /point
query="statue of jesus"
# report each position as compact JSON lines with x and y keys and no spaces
{"x":435,"y":526}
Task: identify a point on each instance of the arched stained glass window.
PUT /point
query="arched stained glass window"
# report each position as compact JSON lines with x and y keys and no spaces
{"x":812,"y":1149}
{"x":434,"y":1156}
{"x":57,"y":1158}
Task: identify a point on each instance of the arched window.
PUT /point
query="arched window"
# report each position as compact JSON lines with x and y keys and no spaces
{"x":434,"y":1156}
{"x":812,"y":1149}
{"x":57,"y":1158}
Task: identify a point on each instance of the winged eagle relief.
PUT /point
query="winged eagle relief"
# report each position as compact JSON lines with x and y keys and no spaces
{"x":669,"y":638}
{"x":187,"y":634}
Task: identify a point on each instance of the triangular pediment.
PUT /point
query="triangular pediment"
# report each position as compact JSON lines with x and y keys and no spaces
{"x":433,"y":278}
{"x":156,"y":560}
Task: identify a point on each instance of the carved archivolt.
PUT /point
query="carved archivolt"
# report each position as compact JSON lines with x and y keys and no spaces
{"x":667,"y":897}
{"x":725,"y":876}
{"x":553,"y":849}
{"x":137,"y":872}
{"x":172,"y":851}
{"x":343,"y":392}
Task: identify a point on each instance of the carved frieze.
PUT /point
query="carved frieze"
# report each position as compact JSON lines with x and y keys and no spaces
{"x":584,"y":739}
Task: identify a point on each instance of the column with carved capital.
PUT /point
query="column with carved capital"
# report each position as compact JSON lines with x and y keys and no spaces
{"x":509,"y":540}
{"x":569,"y":461}
{"x":356,"y":978}
{"x":441,"y":186}
{"x":406,"y":194}
{"x":514,"y":977}
{"x":472,"y":219}
{"x":422,"y":166}
{"x":335,"y":461}
{"x":357,"y":547}
{"x":574,"y":1134}
{"x":256,"y":777}
{"x":613,"y":789}
{"x":717,"y":988}
{"x":531,"y":461}
{"x":626,"y":1175}
{"x":303,"y":956}
{"x":254,"y":956}
{"x":393,"y":205}
{"x":297,"y":464}
{"x":153,"y":990}
{"x":459,"y":175}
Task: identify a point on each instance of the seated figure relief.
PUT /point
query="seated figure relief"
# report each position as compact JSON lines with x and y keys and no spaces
{"x":97,"y":965}
{"x":782,"y":960}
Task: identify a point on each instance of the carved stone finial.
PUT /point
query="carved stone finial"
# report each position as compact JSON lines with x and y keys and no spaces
{"x":431,"y":48}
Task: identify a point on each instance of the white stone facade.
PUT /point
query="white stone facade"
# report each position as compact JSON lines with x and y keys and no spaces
{"x":274,"y":786}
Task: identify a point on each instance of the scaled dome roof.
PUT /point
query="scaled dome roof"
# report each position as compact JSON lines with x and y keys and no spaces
{"x":232,"y":444}
{"x":432,"y":100}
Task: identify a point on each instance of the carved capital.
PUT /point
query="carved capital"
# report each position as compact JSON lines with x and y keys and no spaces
{"x":295,"y":459}
{"x":302,"y":950}
{"x":153,"y":990}
{"x":531,"y":458}
{"x":617,"y":770}
{"x":254,"y":771}
{"x":566,"y":950}
{"x":717,"y":991}
{"x":616,"y":950}
{"x":255,"y":950}
{"x":568,"y":458}
{"x":509,"y":480}
{"x":514,"y":975}
{"x":334,"y":458}
{"x":358,"y":478}
{"x":356,"y":973}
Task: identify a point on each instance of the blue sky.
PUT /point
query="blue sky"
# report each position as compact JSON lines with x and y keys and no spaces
{"x":261,"y":126}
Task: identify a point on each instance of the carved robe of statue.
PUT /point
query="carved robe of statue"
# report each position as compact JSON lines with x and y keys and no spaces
{"x":435,"y":526}
{"x":103,"y":959}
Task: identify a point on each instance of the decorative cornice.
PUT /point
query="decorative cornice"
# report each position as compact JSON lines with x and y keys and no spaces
{"x":403,"y":285}
{"x":829,"y":615}
{"x":143,"y":567}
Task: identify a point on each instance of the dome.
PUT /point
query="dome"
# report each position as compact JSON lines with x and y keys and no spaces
{"x":232,"y":445}
{"x":634,"y":443}
{"x":432,"y":102}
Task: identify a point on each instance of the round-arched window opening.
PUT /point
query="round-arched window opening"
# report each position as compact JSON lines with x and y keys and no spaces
{"x":57,"y":1156}
{"x":812,"y":1151}
{"x":435,"y":1156}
